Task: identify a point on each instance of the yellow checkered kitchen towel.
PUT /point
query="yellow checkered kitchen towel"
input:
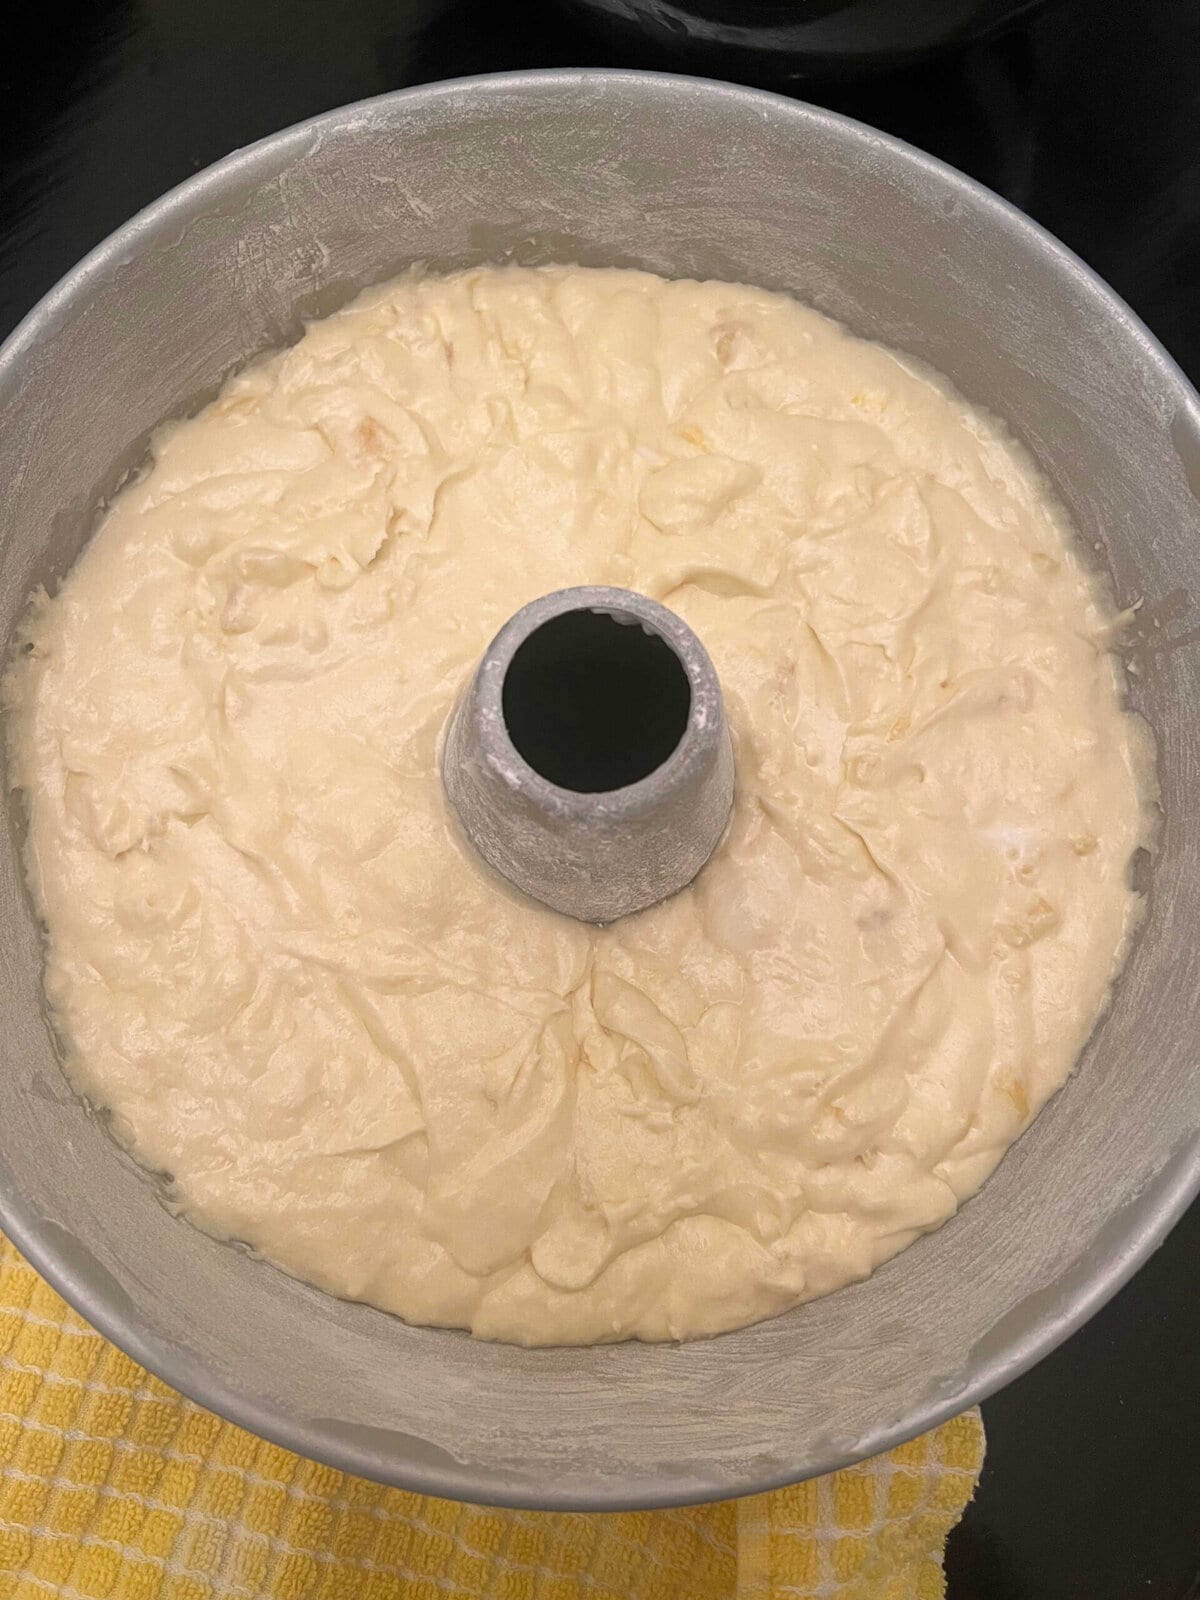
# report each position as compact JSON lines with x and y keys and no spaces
{"x":113,"y":1487}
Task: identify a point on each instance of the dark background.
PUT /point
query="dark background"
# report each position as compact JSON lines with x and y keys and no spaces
{"x":1088,"y":117}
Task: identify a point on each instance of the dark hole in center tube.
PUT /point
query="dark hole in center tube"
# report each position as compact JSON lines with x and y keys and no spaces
{"x":595,"y":704}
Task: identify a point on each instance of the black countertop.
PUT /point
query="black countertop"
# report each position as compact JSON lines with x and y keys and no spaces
{"x":1088,"y":117}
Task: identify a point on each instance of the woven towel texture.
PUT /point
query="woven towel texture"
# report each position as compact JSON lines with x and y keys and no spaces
{"x":113,"y":1487}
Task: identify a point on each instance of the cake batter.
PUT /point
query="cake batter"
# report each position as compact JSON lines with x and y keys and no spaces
{"x":305,"y":1000}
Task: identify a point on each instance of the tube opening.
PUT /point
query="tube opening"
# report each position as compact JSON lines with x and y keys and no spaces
{"x":594,"y":703}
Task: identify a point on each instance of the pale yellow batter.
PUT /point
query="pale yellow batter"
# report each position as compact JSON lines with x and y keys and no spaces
{"x":304,"y":998}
